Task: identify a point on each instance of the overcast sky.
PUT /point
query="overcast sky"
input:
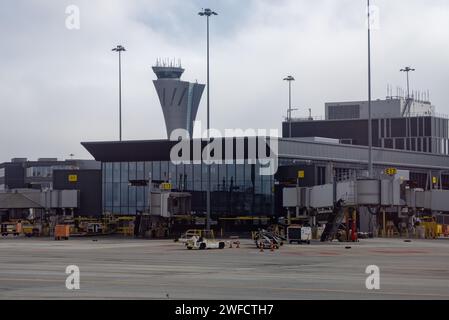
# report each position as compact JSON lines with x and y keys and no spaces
{"x":58,"y":87}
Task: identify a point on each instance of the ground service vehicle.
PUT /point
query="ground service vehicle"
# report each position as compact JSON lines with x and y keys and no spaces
{"x":299,"y":234}
{"x":268,"y":239}
{"x":209,"y":234}
{"x":201,"y":243}
{"x":11,"y":228}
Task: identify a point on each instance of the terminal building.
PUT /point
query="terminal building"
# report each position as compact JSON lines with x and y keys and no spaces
{"x":239,"y":190}
{"x":414,"y":142}
{"x":397,"y":123}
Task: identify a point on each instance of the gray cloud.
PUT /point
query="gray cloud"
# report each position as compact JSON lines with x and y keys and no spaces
{"x":59,"y":87}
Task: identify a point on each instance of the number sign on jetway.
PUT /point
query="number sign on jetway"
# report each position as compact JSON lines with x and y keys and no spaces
{"x":166,"y":186}
{"x":391,"y":171}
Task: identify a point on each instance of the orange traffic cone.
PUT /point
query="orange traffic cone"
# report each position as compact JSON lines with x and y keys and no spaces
{"x":261,"y":246}
{"x":272,"y":246}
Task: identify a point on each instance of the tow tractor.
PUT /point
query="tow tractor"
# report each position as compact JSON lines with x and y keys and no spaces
{"x":201,"y":240}
{"x":186,"y":236}
{"x":201,"y":243}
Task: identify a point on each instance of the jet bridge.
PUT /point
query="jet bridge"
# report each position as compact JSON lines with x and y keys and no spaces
{"x":388,"y":192}
{"x":341,"y":199}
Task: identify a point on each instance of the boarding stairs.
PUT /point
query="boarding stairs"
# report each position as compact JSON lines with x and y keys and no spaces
{"x":335,"y":220}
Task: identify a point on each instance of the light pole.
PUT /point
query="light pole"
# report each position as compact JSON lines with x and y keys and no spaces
{"x":370,"y":131}
{"x":407,"y":107}
{"x":289,"y":112}
{"x":407,"y":70}
{"x":207,"y":13}
{"x":119,"y":49}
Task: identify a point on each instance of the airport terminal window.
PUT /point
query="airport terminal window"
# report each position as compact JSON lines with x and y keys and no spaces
{"x":140,"y":202}
{"x":246,"y":191}
{"x":107,"y":167}
{"x":140,"y":172}
{"x":156,"y":170}
{"x":197,"y":177}
{"x":204,"y":175}
{"x":124,"y":172}
{"x":108,"y":195}
{"x":2,"y":172}
{"x":188,"y":171}
{"x":257,"y":180}
{"x":267,"y":184}
{"x":45,"y":172}
{"x":239,"y":176}
{"x":148,"y":169}
{"x":132,"y":171}
{"x":132,"y":198}
{"x":249,"y":177}
{"x":164,"y":170}
{"x":214,"y":177}
{"x":230,"y":168}
{"x":124,"y":194}
{"x":173,"y":174}
{"x":222,"y":178}
{"x":116,"y":172}
{"x":116,"y":194}
{"x":145,"y":196}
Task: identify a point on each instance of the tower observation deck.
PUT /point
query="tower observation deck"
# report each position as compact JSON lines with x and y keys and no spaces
{"x":179,"y":99}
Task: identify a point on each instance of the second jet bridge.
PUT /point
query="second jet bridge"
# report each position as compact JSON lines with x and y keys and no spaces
{"x":366,"y":193}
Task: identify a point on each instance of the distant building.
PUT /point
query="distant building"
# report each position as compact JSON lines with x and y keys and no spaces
{"x":179,"y":99}
{"x":21,"y":173}
{"x":47,"y":185}
{"x":397,"y":123}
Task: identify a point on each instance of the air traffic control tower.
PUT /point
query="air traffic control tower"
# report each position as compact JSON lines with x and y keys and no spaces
{"x":179,"y":99}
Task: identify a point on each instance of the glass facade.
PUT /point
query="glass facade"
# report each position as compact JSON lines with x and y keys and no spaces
{"x":236,"y":189}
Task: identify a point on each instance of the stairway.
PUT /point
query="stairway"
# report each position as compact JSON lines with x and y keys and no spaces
{"x":334,"y":221}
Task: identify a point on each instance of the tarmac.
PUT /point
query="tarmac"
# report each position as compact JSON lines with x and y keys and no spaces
{"x":119,"y":268}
